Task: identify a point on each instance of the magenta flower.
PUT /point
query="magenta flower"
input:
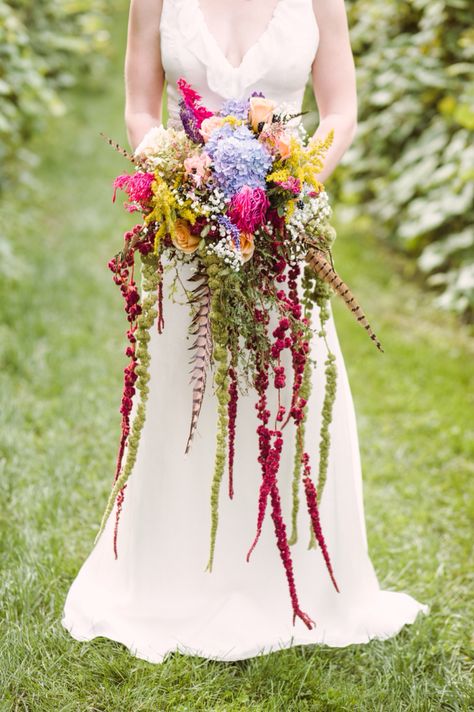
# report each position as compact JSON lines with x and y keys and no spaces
{"x":248,"y":208}
{"x":137,"y":186}
{"x":192,"y":101}
{"x":292,"y":184}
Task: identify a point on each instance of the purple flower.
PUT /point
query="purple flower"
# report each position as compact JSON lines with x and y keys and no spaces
{"x":190,"y":124}
{"x":239,"y":159}
{"x":235,"y":107}
{"x":233,"y":229}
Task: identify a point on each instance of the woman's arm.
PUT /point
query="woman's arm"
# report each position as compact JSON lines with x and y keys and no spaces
{"x":144,"y":76}
{"x":334,"y":81}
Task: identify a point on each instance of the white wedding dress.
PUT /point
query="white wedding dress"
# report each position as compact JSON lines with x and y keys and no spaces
{"x":156,"y":597}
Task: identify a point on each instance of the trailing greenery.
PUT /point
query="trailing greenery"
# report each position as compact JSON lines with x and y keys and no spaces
{"x":150,"y":279}
{"x":44,"y":46}
{"x":221,"y":379}
{"x":411,"y":165}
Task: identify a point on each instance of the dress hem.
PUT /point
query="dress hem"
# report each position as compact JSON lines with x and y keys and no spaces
{"x":255,"y":651}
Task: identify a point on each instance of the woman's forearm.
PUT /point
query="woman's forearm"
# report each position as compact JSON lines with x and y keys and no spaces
{"x":137,"y":126}
{"x":344,"y":132}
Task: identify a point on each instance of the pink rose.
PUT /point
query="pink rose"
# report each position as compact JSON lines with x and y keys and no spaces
{"x":198,"y":167}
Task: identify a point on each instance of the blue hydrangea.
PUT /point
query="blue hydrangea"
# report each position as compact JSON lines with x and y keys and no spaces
{"x":238,"y":158}
{"x":235,"y":107}
{"x":219,"y":133}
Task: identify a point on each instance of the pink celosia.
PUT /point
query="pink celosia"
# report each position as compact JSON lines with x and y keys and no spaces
{"x":192,"y":100}
{"x":137,"y":186}
{"x":248,"y":208}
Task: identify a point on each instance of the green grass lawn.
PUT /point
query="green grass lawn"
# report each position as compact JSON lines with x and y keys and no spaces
{"x":61,"y":352}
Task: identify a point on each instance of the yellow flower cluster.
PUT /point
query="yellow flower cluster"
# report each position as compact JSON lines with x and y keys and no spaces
{"x":166,"y":210}
{"x":303,"y":162}
{"x":233,"y":121}
{"x":280,"y":175}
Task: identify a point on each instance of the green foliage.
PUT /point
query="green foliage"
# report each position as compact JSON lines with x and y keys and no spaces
{"x":411,"y":165}
{"x":44,"y":46}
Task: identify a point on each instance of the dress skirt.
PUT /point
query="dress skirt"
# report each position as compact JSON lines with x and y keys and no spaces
{"x":156,"y":597}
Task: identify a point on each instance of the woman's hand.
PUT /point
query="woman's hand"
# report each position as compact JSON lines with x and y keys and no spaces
{"x":334,"y":82}
{"x":144,"y":75}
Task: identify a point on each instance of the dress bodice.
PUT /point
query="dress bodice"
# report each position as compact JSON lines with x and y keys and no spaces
{"x":277,"y":64}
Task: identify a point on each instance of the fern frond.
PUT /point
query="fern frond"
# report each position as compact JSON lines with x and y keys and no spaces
{"x":202,"y":346}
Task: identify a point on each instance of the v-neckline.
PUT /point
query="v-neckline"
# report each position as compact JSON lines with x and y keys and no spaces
{"x":265,"y":32}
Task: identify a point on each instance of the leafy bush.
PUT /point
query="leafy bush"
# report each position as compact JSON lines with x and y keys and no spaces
{"x":411,"y":166}
{"x":44,"y":46}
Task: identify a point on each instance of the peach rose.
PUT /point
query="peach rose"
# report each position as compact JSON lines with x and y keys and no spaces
{"x":283,"y":144}
{"x":209,"y":125}
{"x":247,"y":245}
{"x":183,"y":239}
{"x":261,"y":109}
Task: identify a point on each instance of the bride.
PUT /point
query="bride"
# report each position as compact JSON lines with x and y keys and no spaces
{"x":156,"y":596}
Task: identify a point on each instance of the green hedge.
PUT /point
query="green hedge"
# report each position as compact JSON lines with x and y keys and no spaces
{"x":44,"y":46}
{"x":411,"y":166}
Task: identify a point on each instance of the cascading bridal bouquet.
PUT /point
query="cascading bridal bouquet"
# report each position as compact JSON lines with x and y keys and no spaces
{"x":234,"y":192}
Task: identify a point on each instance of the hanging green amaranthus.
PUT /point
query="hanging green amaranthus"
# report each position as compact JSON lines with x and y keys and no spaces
{"x":151,"y":277}
{"x":321,"y":293}
{"x":305,"y":393}
{"x":219,"y":328}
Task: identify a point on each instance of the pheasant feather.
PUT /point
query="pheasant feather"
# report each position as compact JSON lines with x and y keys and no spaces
{"x":119,"y":148}
{"x":320,"y":265}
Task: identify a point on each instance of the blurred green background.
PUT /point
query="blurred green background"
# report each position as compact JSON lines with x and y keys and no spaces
{"x":403,"y":212}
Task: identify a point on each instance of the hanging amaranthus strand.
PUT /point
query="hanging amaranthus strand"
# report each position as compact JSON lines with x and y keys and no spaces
{"x":160,"y":322}
{"x":144,"y":322}
{"x":305,"y":392}
{"x":269,"y":457}
{"x":232,"y":416}
{"x":264,"y":439}
{"x":321,"y":297}
{"x":120,"y":266}
{"x":328,"y":406}
{"x":280,"y":530}
{"x":312,"y":502}
{"x":219,"y":335}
